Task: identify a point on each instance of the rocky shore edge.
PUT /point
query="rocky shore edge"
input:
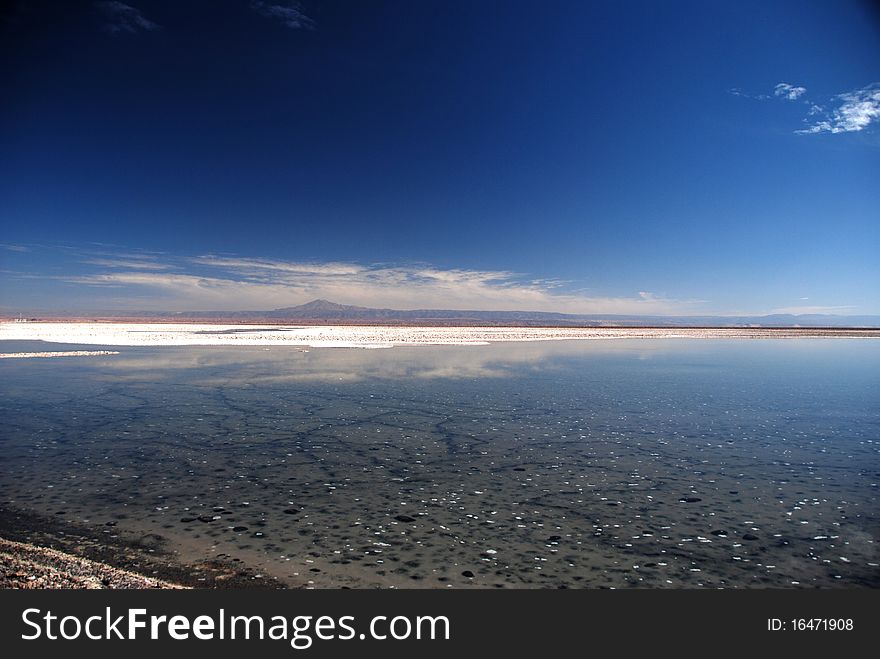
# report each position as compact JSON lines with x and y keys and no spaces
{"x":27,"y":566}
{"x":37,"y":551}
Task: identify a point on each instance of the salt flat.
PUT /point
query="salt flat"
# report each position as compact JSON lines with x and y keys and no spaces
{"x":179,"y":334}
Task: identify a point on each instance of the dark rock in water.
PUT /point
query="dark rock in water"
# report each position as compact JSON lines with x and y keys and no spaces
{"x":519,"y":469}
{"x":749,"y":536}
{"x":468,"y":574}
{"x":554,"y":538}
{"x":291,"y":511}
{"x":239,"y":529}
{"x":151,"y":540}
{"x":405,"y":518}
{"x":719,"y":532}
{"x":187,"y":520}
{"x":206,"y":518}
{"x":689,"y":499}
{"x":110,"y":524}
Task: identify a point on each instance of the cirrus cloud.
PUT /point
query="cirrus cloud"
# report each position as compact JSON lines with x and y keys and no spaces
{"x":124,"y":18}
{"x":231,"y":283}
{"x":289,"y":13}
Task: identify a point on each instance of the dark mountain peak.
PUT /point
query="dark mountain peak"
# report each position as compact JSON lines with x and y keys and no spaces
{"x":321,"y":303}
{"x":320,"y":307}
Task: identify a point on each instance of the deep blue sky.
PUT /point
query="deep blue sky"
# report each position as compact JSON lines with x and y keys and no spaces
{"x":566,"y":155}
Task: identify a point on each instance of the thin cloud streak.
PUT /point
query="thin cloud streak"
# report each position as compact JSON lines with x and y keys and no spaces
{"x":736,"y":91}
{"x":260,"y":265}
{"x":814,"y":309}
{"x":124,"y":18}
{"x":131,"y":264}
{"x":289,"y":13}
{"x":14,"y":248}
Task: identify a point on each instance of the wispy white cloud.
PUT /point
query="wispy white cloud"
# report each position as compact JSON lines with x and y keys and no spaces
{"x":850,"y":112}
{"x":289,"y":13}
{"x":14,"y":248}
{"x":131,"y":264}
{"x":855,"y":111}
{"x":124,"y":18}
{"x":789,"y":92}
{"x":225,"y":283}
{"x":781,"y":90}
{"x":255,"y":266}
{"x":736,"y":91}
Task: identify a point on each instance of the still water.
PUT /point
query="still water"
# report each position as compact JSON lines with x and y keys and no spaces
{"x":619,"y":463}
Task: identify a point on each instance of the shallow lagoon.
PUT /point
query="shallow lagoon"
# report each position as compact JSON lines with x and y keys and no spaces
{"x":648,"y":463}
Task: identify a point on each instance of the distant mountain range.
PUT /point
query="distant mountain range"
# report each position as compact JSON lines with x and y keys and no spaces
{"x":325,"y":312}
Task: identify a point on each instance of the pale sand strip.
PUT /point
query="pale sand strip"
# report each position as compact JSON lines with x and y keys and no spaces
{"x":171,"y":334}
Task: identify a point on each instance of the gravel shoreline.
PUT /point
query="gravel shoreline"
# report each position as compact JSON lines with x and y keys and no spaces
{"x":27,"y":566}
{"x":37,"y":551}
